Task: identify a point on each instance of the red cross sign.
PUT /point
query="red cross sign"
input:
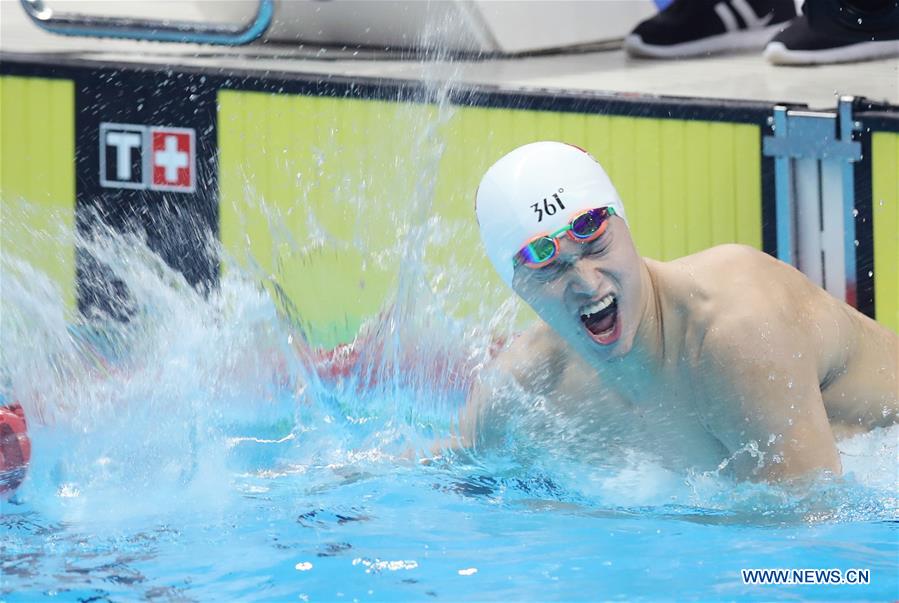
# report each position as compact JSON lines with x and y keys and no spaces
{"x":172,"y":159}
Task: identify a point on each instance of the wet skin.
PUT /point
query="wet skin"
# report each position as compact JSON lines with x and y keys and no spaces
{"x":725,"y":356}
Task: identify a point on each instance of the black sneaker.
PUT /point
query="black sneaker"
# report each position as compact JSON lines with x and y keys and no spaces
{"x":799,"y":44}
{"x":700,"y":27}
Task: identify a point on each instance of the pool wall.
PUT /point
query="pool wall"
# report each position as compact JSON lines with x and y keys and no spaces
{"x":691,"y":172}
{"x":37,"y":163}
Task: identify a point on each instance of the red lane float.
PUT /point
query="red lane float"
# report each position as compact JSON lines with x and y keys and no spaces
{"x":15,"y":448}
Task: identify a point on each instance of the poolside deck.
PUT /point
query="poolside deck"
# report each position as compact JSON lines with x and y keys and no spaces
{"x":734,"y":77}
{"x":690,"y":145}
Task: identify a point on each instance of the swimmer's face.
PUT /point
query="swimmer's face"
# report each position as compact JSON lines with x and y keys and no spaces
{"x":591,"y":293}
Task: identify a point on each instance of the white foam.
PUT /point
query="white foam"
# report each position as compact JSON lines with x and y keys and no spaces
{"x":873,"y":458}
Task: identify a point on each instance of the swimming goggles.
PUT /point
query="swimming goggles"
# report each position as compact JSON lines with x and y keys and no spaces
{"x":584,"y":227}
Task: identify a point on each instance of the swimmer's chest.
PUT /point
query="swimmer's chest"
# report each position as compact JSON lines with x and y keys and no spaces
{"x":665,"y":420}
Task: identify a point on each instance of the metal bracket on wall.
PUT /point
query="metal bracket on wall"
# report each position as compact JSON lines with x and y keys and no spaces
{"x":813,"y":155}
{"x":76,"y":24}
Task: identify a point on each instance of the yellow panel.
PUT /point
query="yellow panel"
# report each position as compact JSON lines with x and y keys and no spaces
{"x":256,"y":190}
{"x":747,"y":184}
{"x":721,"y":181}
{"x":647,"y":187}
{"x":451,"y":200}
{"x":359,"y":193}
{"x":524,"y":127}
{"x":599,"y":138}
{"x":14,"y":135}
{"x":699,"y":208}
{"x":885,"y":210}
{"x":548,"y":126}
{"x":280,"y":188}
{"x":476,"y":138}
{"x":319,"y":205}
{"x":621,"y":165}
{"x":37,"y":177}
{"x":675,"y":194}
{"x":573,"y":129}
{"x":232,"y":228}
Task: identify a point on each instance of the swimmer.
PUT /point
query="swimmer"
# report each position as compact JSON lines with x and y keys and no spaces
{"x":727,"y":357}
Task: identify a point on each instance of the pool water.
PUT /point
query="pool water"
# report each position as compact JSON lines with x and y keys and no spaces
{"x":419,"y":534}
{"x":204,"y":451}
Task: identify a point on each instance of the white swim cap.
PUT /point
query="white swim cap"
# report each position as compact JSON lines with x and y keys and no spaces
{"x":534,"y":190}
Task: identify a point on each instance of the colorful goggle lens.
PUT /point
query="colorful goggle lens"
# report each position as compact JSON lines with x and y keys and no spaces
{"x":586,"y":224}
{"x":538,"y":251}
{"x":583,"y":228}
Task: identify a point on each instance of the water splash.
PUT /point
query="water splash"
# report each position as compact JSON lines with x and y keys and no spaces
{"x":206,"y":396}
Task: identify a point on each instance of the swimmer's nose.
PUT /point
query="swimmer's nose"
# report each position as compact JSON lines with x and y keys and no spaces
{"x":585,"y":279}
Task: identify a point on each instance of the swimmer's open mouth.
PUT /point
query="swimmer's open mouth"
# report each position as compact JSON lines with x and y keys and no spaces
{"x":601,"y":320}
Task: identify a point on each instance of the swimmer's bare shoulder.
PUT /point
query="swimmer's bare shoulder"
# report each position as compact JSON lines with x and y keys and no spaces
{"x":855,"y":358}
{"x":759,"y":362}
{"x":744,"y":284}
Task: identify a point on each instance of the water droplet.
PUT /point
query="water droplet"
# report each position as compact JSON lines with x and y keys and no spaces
{"x":790,"y":384}
{"x":870,"y":273}
{"x":854,"y":212}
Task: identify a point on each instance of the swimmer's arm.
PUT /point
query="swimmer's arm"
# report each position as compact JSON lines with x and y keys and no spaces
{"x":764,"y":392}
{"x":480,"y":416}
{"x":463,"y":434}
{"x":497,"y":390}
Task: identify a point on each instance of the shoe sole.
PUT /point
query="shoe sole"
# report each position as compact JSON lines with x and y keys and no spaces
{"x":778,"y":54}
{"x":753,"y":39}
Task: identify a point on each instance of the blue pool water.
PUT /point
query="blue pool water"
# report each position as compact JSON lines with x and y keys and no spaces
{"x":416,"y":535}
{"x":173,"y":462}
